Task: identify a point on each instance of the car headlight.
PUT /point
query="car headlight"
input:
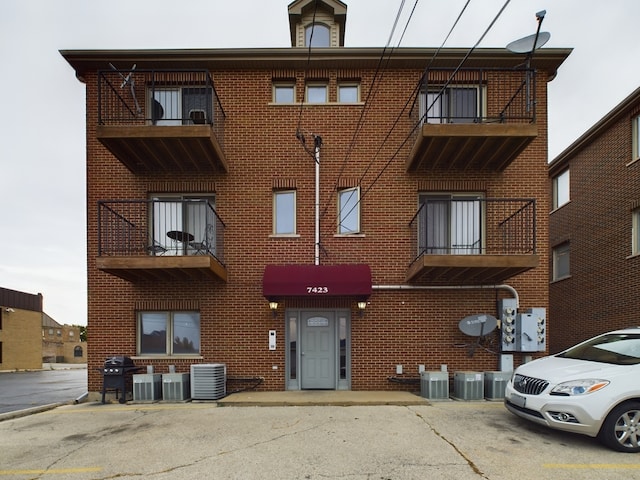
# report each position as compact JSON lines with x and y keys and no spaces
{"x":579,"y":387}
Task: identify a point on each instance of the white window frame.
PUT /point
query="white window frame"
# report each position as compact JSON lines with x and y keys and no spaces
{"x":348,"y":85}
{"x":561,"y":189}
{"x":561,"y":267}
{"x":317,"y":38}
{"x":316,"y":86}
{"x":172,"y":330}
{"x":278,"y":212}
{"x":635,"y":231}
{"x":348,"y":211}
{"x":635,"y":125}
{"x":284,"y":86}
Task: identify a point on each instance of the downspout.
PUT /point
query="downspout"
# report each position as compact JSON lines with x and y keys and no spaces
{"x":450,"y":287}
{"x":318,"y":143}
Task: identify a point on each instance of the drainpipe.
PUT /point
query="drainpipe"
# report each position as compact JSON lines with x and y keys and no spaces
{"x":318,"y":143}
{"x":450,"y":287}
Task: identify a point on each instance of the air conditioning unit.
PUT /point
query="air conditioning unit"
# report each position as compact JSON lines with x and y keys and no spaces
{"x":176,"y":387}
{"x":434,"y":385}
{"x":147,"y":387}
{"x":495,"y":384}
{"x":208,"y":381}
{"x":468,"y":386}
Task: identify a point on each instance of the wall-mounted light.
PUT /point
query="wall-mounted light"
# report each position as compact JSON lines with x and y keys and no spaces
{"x":273,"y":305}
{"x":9,"y":310}
{"x":361,"y":306}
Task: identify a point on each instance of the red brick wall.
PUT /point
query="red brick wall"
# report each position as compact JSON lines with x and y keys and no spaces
{"x":602,"y":290}
{"x":408,"y":327}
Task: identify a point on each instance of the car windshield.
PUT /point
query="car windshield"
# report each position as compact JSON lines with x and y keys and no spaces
{"x":616,"y":348}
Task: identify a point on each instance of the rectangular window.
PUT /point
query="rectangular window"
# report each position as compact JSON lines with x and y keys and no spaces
{"x":169,"y":333}
{"x":317,"y":93}
{"x":451,"y":105}
{"x":635,"y":123}
{"x":183,"y":225}
{"x":635,"y":232}
{"x":561,"y":189}
{"x":450,"y":224}
{"x":561,"y":261}
{"x":349,"y":210}
{"x":181,"y":106}
{"x":348,"y":93}
{"x":284,"y":93}
{"x":284,"y":212}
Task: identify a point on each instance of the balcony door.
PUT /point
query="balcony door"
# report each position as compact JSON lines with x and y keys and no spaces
{"x":450,"y":105}
{"x":450,"y":225}
{"x":182,"y":105}
{"x":184,"y":225}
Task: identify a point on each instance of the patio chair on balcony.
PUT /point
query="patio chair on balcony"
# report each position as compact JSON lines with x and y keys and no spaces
{"x":201,"y":248}
{"x":198,"y":117}
{"x":156,"y":249}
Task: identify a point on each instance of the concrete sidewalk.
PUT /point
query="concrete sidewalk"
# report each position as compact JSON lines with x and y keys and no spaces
{"x":321,"y":398}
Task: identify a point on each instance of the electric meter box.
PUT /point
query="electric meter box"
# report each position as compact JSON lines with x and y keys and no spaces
{"x":531,"y":330}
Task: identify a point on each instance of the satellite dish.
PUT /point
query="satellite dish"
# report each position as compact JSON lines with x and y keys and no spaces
{"x":478,"y":325}
{"x":529,"y":43}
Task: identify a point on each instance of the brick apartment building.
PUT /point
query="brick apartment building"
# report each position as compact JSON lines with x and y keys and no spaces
{"x":594,"y":229}
{"x":306,"y":217}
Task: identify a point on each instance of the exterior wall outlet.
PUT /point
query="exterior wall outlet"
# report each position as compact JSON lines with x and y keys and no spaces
{"x":399,"y":369}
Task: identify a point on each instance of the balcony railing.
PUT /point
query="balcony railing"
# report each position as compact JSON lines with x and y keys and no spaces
{"x":159,"y":97}
{"x":475,"y":226}
{"x":130,"y":228}
{"x":161,"y":120}
{"x":472,"y":119}
{"x":484,"y":95}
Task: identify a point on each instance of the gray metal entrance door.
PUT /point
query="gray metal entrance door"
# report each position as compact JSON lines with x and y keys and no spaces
{"x":318,"y":350}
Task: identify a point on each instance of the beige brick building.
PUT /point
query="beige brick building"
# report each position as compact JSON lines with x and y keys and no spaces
{"x":304,"y":217}
{"x":20,"y":330}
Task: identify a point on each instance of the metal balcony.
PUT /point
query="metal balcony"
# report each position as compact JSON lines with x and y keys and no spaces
{"x":473,"y":119}
{"x":472,"y":241}
{"x":160,"y":240}
{"x":161,"y":121}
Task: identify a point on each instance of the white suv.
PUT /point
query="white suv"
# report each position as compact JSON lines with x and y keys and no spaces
{"x":592,"y":388}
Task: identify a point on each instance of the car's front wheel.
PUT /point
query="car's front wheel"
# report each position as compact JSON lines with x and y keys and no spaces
{"x":621,"y":429}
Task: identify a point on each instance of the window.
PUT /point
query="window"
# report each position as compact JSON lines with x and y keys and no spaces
{"x":451,"y":105}
{"x":169,"y":333}
{"x":183,"y":225}
{"x":561,"y":261}
{"x":561,"y":189}
{"x":77,"y":351}
{"x":181,"y":106}
{"x":635,"y":232}
{"x":317,"y":93}
{"x":635,"y":135}
{"x":349,"y":210}
{"x":284,"y":212}
{"x":284,"y":93}
{"x":317,"y":35}
{"x":348,"y":93}
{"x":450,"y":224}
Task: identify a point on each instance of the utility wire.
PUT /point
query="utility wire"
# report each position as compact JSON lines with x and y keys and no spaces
{"x":418,"y":123}
{"x":371,"y":94}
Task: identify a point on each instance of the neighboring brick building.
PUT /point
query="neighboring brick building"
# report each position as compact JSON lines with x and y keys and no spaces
{"x":61,"y":343}
{"x":422,"y":223}
{"x":594,"y":229}
{"x":20,"y":330}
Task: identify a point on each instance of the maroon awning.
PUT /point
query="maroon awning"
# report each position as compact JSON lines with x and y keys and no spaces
{"x":316,"y":281}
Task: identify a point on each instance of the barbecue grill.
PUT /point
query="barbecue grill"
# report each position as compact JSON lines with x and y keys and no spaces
{"x":116,"y":374}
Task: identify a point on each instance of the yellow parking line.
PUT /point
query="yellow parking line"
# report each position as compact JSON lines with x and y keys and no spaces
{"x":594,"y":466}
{"x":51,"y":471}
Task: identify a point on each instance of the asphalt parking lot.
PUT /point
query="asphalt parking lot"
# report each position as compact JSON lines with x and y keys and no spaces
{"x":444,"y":440}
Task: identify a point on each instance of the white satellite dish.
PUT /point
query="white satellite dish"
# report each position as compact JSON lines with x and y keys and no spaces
{"x":529,"y":43}
{"x":478,"y":325}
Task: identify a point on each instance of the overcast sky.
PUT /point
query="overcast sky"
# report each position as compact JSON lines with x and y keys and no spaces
{"x":42,"y":105}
